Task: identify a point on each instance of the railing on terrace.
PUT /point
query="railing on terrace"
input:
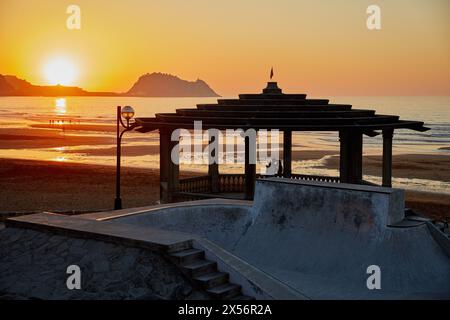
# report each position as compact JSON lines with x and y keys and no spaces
{"x":315,"y":178}
{"x":195,"y":185}
{"x":231,"y":183}
{"x":235,"y":183}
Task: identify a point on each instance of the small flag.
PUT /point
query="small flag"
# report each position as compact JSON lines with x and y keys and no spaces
{"x":271,"y":73}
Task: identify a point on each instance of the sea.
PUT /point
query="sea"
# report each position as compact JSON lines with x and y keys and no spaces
{"x":26,"y":112}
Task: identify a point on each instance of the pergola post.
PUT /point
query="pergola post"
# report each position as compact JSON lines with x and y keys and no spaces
{"x":250,"y":171}
{"x":345,"y":162}
{"x":357,"y":157}
{"x":387,"y":157}
{"x":351,"y":147}
{"x":213,"y":171}
{"x":287,"y":154}
{"x":168,"y":170}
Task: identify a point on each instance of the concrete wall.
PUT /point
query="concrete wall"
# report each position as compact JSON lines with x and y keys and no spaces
{"x":223,"y":224}
{"x":320,"y":238}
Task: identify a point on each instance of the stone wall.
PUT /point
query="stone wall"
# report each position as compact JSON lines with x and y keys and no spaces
{"x":33,"y":265}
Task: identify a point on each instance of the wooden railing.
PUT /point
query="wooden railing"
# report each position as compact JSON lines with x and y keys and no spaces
{"x":231,"y":183}
{"x":195,"y":185}
{"x":234,"y":183}
{"x":315,"y":178}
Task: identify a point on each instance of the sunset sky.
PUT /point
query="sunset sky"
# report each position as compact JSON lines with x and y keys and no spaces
{"x":318,"y":47}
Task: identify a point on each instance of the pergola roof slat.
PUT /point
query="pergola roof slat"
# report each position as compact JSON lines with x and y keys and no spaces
{"x":278,"y":108}
{"x":151,"y":124}
{"x":261,"y":102}
{"x":275,"y":114}
{"x":166,"y":117}
{"x":286,"y":96}
{"x":273,"y":109}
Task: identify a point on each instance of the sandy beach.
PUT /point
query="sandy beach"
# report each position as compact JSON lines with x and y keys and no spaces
{"x":41,"y":185}
{"x":33,"y":186}
{"x":419,"y":166}
{"x":28,"y":138}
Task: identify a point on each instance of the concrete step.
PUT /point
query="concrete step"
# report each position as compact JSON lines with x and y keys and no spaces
{"x":225,"y":291}
{"x":204,"y":272}
{"x":211,"y":280}
{"x":199,"y":267}
{"x":188,"y":255}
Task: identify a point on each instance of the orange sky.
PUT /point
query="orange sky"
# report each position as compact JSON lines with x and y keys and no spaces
{"x":322,"y":48}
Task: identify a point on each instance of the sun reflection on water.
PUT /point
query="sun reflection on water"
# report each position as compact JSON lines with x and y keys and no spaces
{"x":60,"y":159}
{"x":60,"y":106}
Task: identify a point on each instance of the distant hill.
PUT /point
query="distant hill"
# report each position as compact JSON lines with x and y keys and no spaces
{"x":148,"y":85}
{"x":5,"y":87}
{"x":13,"y":86}
{"x":165,"y":85}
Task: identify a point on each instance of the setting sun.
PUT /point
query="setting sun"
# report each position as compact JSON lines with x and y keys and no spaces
{"x":60,"y":71}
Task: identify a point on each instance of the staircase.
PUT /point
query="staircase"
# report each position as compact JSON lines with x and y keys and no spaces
{"x":204,"y":273}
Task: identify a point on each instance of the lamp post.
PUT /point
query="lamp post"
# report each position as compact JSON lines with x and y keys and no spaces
{"x":126,"y":113}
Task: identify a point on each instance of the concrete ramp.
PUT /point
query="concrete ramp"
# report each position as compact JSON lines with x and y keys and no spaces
{"x":320,"y":238}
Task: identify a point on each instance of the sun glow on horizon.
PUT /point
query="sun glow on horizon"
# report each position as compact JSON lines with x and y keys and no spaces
{"x":328,"y":52}
{"x":60,"y":71}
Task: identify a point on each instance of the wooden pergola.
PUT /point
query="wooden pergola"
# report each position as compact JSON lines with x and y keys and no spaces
{"x":272,"y":109}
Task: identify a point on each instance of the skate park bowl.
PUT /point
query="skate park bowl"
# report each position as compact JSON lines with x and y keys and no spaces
{"x":321,"y":239}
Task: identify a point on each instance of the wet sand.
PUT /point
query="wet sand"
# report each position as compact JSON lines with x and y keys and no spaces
{"x":77,"y":127}
{"x":33,"y":186}
{"x":433,"y":205}
{"x":25,"y":138}
{"x":420,"y":166}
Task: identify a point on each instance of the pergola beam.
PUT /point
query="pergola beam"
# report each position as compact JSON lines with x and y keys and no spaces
{"x":351,"y":147}
{"x":213,"y":170}
{"x":250,"y":171}
{"x":151,"y":124}
{"x":387,"y":157}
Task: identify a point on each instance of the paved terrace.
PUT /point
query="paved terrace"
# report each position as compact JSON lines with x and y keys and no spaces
{"x":201,"y":261}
